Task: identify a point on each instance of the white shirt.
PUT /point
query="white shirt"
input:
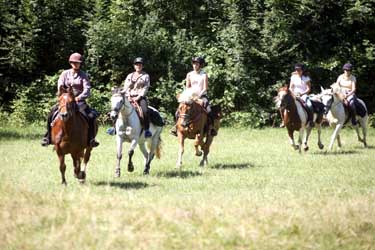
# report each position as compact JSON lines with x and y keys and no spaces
{"x":300,"y":83}
{"x":197,"y":82}
{"x":346,"y":83}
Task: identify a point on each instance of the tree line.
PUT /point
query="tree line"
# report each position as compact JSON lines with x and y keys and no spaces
{"x":250,"y":47}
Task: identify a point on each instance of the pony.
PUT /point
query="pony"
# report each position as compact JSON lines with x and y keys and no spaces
{"x":192,"y":124}
{"x":335,"y":111}
{"x":295,"y":119}
{"x":69,"y":134}
{"x":128,"y":128}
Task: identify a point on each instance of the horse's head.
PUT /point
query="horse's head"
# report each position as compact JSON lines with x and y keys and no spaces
{"x":327,"y":98}
{"x":67,"y":104}
{"x":283,"y":98}
{"x":186,"y":100}
{"x":119,"y":101}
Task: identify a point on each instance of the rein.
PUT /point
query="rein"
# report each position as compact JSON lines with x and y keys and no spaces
{"x":195,"y":119}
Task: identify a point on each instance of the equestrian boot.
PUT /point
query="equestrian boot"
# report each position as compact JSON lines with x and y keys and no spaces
{"x":91,"y":134}
{"x":353,"y":112}
{"x":310,"y":114}
{"x":46,"y":140}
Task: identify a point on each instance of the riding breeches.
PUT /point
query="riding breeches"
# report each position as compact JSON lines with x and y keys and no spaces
{"x":143,"y":104}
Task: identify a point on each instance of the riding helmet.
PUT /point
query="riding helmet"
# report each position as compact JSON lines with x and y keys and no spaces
{"x":76,"y":57}
{"x":299,"y":66}
{"x":199,"y":60}
{"x":139,"y":60}
{"x":347,"y":66}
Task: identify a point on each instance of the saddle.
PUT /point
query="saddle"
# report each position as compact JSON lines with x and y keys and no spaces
{"x":359,"y":108}
{"x":153,"y":114}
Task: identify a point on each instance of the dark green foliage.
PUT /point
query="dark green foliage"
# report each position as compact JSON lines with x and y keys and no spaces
{"x":250,"y":46}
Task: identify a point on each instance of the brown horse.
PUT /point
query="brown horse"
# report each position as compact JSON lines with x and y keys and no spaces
{"x":192,"y":124}
{"x":70,"y":135}
{"x":295,"y":118}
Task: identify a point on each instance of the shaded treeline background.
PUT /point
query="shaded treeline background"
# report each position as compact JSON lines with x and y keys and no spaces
{"x":250,"y":47}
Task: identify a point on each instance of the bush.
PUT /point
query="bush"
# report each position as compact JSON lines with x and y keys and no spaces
{"x":256,"y":118}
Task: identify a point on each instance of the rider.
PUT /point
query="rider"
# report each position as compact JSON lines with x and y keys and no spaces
{"x":136,"y":85}
{"x":300,"y":86}
{"x":347,"y":82}
{"x":80,"y":83}
{"x":197,"y":81}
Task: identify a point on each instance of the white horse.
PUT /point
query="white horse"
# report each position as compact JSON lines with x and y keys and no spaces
{"x":128,"y":128}
{"x":295,"y":119}
{"x":334,"y":109}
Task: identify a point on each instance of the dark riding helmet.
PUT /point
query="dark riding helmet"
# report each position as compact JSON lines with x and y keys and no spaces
{"x":76,"y":57}
{"x":300,"y":66}
{"x":138,"y":60}
{"x":199,"y":60}
{"x":347,"y":66}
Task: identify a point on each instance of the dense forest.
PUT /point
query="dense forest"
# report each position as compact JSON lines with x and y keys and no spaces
{"x":250,"y":47}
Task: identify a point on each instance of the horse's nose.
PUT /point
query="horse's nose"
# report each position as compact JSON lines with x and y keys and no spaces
{"x":64,"y":115}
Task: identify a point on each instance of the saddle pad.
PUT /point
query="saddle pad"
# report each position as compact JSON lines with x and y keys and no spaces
{"x":155,"y":116}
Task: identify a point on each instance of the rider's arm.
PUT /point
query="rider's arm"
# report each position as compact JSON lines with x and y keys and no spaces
{"x":61,"y":81}
{"x":353,"y":88}
{"x":188,"y":82}
{"x":205,"y":85}
{"x":86,"y":88}
{"x":308,"y":85}
{"x":143,"y":91}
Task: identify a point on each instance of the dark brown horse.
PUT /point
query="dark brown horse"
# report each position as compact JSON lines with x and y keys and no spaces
{"x":295,"y":118}
{"x":192,"y":124}
{"x":70,"y":135}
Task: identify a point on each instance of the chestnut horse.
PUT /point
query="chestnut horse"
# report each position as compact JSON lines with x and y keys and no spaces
{"x":192,"y":124}
{"x":295,"y":118}
{"x":69,"y":135}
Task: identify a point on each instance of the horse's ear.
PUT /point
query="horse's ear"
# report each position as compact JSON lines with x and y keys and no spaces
{"x":321,"y":89}
{"x":61,"y":90}
{"x":178,"y":96}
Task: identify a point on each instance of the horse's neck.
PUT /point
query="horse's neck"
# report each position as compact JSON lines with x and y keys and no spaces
{"x":129,"y":115}
{"x":337,"y":106}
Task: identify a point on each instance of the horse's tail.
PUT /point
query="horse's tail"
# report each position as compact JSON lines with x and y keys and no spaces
{"x":158,"y":148}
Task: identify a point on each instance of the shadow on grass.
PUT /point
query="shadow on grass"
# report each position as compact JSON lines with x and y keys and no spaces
{"x":341,"y":152}
{"x":233,"y":166}
{"x":11,"y":135}
{"x":123,"y":185}
{"x":362,"y":147}
{"x":179,"y":174}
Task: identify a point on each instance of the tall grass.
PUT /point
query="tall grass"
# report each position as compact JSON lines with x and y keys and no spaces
{"x":256,"y":193}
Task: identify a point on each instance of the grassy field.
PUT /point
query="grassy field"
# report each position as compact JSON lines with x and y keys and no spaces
{"x":257,"y":193}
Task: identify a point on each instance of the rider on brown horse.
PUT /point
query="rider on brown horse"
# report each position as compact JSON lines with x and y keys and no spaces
{"x":79,"y":82}
{"x":197,"y":81}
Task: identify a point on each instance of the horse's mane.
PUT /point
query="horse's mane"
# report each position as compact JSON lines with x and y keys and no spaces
{"x":187,"y":96}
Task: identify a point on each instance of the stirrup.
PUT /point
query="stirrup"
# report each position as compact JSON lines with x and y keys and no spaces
{"x":111,"y":131}
{"x":45,"y":142}
{"x":94,"y":143}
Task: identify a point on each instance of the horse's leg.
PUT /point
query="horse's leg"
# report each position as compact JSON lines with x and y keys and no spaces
{"x":119,"y":155}
{"x":146,"y":157}
{"x":300,"y":136}
{"x":363,"y":122}
{"x":181,"y":141}
{"x":334,"y":136}
{"x":133,"y":144}
{"x":291,"y":139}
{"x":306,"y":139}
{"x":86,"y":158}
{"x":62,"y":167}
{"x":339,"y":141}
{"x":206,"y":150}
{"x":198,"y":142}
{"x":75,"y":164}
{"x":320,"y":144}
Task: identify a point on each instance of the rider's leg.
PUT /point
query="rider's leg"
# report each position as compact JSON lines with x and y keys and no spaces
{"x":173,"y":130}
{"x":210,"y":116}
{"x":91,"y":132}
{"x":310,"y":112}
{"x":46,"y":140}
{"x":146,"y":119}
{"x":353,"y":112}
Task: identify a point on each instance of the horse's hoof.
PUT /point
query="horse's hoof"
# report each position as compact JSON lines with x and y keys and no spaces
{"x":296,"y":147}
{"x":321,"y":146}
{"x":63,"y":183}
{"x":198,"y":153}
{"x":81,"y":181}
{"x":130,"y":168}
{"x":117,"y":173}
{"x":81,"y":176}
{"x":306,"y":148}
{"x":146,"y":172}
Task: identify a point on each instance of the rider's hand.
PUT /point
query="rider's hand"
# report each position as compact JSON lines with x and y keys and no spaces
{"x":77,"y":99}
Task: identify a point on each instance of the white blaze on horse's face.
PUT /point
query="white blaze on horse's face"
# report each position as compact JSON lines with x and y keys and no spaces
{"x":279,"y":98}
{"x":116,"y":104}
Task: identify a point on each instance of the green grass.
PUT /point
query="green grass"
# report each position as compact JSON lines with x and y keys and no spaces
{"x":257,"y":193}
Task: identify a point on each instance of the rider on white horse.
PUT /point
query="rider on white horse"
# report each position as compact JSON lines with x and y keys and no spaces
{"x":347,"y":83}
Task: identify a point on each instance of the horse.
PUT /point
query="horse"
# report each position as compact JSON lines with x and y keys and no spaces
{"x":295,"y":119}
{"x":335,"y":110}
{"x":128,"y":128}
{"x":192,"y":124}
{"x":69,"y":134}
